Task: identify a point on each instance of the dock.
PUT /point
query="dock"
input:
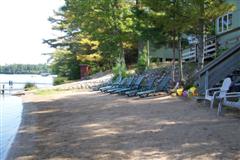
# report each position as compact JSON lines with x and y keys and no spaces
{"x":9,"y":87}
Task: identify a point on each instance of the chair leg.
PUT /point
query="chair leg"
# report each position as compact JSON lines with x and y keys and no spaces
{"x":219,"y":108}
{"x":211,"y":104}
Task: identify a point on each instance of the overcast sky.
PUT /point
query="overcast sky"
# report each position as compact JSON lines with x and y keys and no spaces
{"x":24,"y":23}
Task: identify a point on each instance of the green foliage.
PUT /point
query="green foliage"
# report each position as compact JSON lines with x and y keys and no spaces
{"x":109,"y":23}
{"x":46,"y":92}
{"x":109,"y":28}
{"x":120,"y":70}
{"x":221,"y":50}
{"x":65,"y":64}
{"x":29,"y":86}
{"x":142,"y":63}
{"x":59,"y":80}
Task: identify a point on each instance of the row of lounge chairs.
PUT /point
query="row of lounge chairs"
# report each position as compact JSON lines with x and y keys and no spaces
{"x":155,"y":82}
{"x":139,"y":85}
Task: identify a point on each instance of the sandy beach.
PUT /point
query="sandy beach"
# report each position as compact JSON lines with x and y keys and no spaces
{"x":96,"y":126}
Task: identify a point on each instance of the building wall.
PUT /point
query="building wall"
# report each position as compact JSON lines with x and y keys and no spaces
{"x":225,"y":39}
{"x":163,"y":52}
{"x":236,"y":21}
{"x":230,"y":38}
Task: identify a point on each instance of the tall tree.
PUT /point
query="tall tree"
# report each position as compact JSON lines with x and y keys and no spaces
{"x":110,"y":22}
{"x":171,"y":17}
{"x":203,"y":14}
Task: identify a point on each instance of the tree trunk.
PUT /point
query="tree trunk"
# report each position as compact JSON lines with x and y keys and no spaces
{"x":140,"y":40}
{"x":148,"y":54}
{"x":201,"y":39}
{"x":122,"y":55}
{"x":201,"y":49}
{"x":174,"y":55}
{"x":180,"y":58}
{"x":174,"y":46}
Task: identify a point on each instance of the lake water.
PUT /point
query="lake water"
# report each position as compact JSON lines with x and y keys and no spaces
{"x":11,"y":106}
{"x":10,"y":119}
{"x":19,"y":81}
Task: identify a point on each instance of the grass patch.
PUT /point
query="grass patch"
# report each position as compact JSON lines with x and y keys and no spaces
{"x":46,"y":92}
{"x":30,"y":86}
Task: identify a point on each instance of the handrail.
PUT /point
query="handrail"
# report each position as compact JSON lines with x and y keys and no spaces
{"x":220,"y":58}
{"x":218,"y":69}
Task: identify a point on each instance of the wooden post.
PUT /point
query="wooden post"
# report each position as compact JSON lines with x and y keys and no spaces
{"x":148,"y":54}
{"x":206,"y":80}
{"x":3,"y":88}
{"x":180,"y":57}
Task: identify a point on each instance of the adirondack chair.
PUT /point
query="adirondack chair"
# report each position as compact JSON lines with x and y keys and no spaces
{"x":161,"y":85}
{"x":149,"y":86}
{"x":113,"y":83}
{"x":226,"y":102}
{"x":135,"y":85}
{"x":116,"y":86}
{"x":174,"y":89}
{"x":218,"y":93}
{"x":125,"y":85}
{"x":146,"y":85}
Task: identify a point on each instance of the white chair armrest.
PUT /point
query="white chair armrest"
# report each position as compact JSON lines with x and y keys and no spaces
{"x":232,"y":96}
{"x":233,"y":93}
{"x":216,"y":93}
{"x":212,"y":89}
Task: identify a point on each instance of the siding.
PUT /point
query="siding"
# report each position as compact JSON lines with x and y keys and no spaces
{"x":163,"y":52}
{"x":236,"y":13}
{"x":230,"y":38}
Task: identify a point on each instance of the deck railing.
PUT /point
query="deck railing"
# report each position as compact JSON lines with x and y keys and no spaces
{"x":209,"y":50}
{"x":190,"y":54}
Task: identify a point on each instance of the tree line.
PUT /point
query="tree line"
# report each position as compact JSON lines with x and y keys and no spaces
{"x":24,"y":69}
{"x":116,"y":33}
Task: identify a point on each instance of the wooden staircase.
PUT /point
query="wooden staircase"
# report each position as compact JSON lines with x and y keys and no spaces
{"x":226,"y":65}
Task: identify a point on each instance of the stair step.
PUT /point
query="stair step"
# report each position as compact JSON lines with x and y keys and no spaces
{"x":236,"y":72}
{"x":225,"y":65}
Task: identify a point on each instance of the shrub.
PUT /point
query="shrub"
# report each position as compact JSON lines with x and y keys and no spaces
{"x":142,"y":63}
{"x":120,"y":69}
{"x":59,"y":80}
{"x":29,"y":86}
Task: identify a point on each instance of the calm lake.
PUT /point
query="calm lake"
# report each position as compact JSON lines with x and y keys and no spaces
{"x":11,"y":106}
{"x":19,"y":80}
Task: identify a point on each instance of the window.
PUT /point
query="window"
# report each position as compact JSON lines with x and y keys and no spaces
{"x":220,"y":25}
{"x":224,"y":23}
{"x":230,"y":21}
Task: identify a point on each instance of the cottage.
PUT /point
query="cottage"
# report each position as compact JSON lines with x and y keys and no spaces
{"x":227,"y":29}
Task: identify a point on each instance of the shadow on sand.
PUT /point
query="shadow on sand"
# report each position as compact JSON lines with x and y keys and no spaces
{"x":101,"y":126}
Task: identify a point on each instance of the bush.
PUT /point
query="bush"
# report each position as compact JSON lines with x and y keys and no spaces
{"x":29,"y":86}
{"x":120,"y":68}
{"x":59,"y":80}
{"x":142,"y":63}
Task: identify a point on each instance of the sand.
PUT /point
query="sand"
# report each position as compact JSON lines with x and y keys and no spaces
{"x":96,"y":126}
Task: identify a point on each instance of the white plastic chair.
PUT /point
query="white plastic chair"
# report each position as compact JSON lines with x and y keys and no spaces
{"x":226,"y":102}
{"x":218,"y":93}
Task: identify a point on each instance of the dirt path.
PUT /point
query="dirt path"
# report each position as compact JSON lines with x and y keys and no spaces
{"x":100,"y":126}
